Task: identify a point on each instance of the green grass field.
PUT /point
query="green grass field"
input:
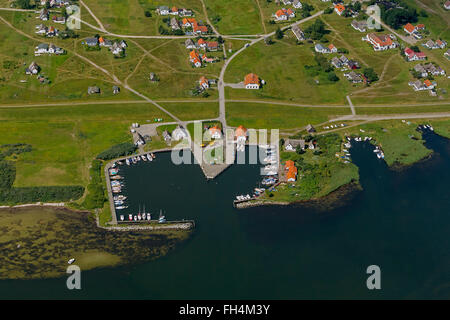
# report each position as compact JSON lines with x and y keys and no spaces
{"x":66,"y":138}
{"x":256,"y":115}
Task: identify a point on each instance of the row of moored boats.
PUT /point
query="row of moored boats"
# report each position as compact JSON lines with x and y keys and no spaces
{"x":143,"y":157}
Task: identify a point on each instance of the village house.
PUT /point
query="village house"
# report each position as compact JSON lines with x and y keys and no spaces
{"x":179,"y":133}
{"x":163,"y":10}
{"x":43,"y":14}
{"x":291,"y":171}
{"x":93,"y":90}
{"x":41,"y":29}
{"x":115,"y":89}
{"x":166,"y":136}
{"x":380,"y":42}
{"x":240,"y":134}
{"x":354,"y":77}
{"x":61,"y":20}
{"x":174,"y":24}
{"x":188,"y":22}
{"x":310,"y":128}
{"x":321,"y":49}
{"x":195,"y":59}
{"x":251,"y":81}
{"x":204,"y":83}
{"x":298,"y":33}
{"x":438,"y":44}
{"x":59,"y":3}
{"x":201,"y":43}
{"x":447,"y":53}
{"x":297,"y":4}
{"x":91,"y":42}
{"x":212,"y":45}
{"x":339,"y":8}
{"x":33,"y":68}
{"x":336,"y":62}
{"x":173,"y":11}
{"x":411,"y":55}
{"x":284,"y":14}
{"x":44,"y":48}
{"x":361,"y":26}
{"x":292,"y":144}
{"x":215,"y":132}
{"x":189,"y":44}
{"x":447,"y":5}
{"x":332,"y":48}
{"x":199,"y":29}
{"x":414,"y":30}
{"x":352,"y":64}
{"x":51,"y":32}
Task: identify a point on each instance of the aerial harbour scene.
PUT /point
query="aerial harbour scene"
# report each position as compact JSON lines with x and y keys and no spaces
{"x":224,"y":150}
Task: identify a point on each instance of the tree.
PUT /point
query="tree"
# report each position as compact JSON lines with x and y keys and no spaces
{"x":415,"y":48}
{"x":220,"y":40}
{"x":148,"y":14}
{"x":24,"y":4}
{"x":370,"y":74}
{"x":332,"y":76}
{"x":279,"y":34}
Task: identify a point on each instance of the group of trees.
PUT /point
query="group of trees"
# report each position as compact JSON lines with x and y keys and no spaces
{"x":370,"y":74}
{"x":323,"y":66}
{"x":316,"y":31}
{"x":118,"y":150}
{"x":13,"y":195}
{"x":96,"y":194}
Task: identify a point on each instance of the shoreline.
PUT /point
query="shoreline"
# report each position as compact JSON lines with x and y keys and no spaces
{"x":332,"y":200}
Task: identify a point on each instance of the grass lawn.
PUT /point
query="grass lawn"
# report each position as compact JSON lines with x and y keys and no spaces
{"x":66,"y":138}
{"x":235,"y":16}
{"x":281,"y":66}
{"x":400,"y":109}
{"x":193,"y":110}
{"x":255,"y":115}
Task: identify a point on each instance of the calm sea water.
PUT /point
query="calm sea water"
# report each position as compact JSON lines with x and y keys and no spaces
{"x":400,"y":222}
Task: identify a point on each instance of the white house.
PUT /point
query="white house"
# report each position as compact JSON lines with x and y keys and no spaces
{"x":179,"y":133}
{"x":297,"y":4}
{"x":163,"y":10}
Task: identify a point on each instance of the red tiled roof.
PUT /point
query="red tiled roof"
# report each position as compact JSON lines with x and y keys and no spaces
{"x":241,"y":131}
{"x":409,"y":27}
{"x":251,"y":78}
{"x":339,"y":7}
{"x":427,"y":83}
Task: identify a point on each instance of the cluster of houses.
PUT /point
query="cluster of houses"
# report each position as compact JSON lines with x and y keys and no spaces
{"x":96,"y":90}
{"x":32,"y":69}
{"x":295,"y":3}
{"x":46,"y":31}
{"x":197,"y":59}
{"x":339,"y":8}
{"x":322,"y":49}
{"x":205,"y":83}
{"x":198,"y":28}
{"x":414,"y":30}
{"x":45,"y":48}
{"x":174,"y":11}
{"x":283,"y":14}
{"x":201,"y":44}
{"x":429,"y":69}
{"x":411,"y":55}
{"x":291,"y":171}
{"x":438,"y":44}
{"x":344,"y":63}
{"x":116,"y":47}
{"x":419,"y":85}
{"x":354,"y":77}
{"x":293,"y":144}
{"x":360,"y":26}
{"x":55,"y":3}
{"x":381,"y":42}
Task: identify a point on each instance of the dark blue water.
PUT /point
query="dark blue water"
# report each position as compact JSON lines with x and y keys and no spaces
{"x":400,"y":222}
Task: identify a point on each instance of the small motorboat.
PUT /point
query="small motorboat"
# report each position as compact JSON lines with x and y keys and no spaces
{"x":130,"y":217}
{"x":71,"y":261}
{"x":122,"y":217}
{"x":149,"y":157}
{"x":127,"y":162}
{"x":149,"y":217}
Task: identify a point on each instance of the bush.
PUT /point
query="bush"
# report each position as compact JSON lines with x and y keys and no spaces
{"x":328,"y":10}
{"x":7,"y":174}
{"x":119,"y":150}
{"x":41,"y":194}
{"x":96,"y":194}
{"x":148,"y":14}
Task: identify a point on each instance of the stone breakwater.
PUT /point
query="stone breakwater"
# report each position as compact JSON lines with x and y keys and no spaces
{"x":60,"y":204}
{"x":257,"y":203}
{"x":172,"y":226}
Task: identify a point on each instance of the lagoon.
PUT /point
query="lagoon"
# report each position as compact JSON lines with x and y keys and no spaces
{"x":400,"y":221}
